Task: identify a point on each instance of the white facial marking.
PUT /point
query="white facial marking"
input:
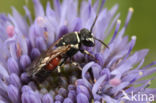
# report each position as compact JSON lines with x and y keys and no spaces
{"x":45,"y":59}
{"x":75,"y":46}
{"x":64,"y":43}
{"x":90,"y":39}
{"x":78,"y":39}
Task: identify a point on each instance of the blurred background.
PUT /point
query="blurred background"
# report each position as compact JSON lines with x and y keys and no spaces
{"x":142,"y":24}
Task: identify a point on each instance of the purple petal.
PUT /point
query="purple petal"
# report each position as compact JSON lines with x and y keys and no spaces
{"x":49,"y":11}
{"x":3,"y":17}
{"x":29,"y":46}
{"x":69,"y":13}
{"x":13,"y":94}
{"x":129,"y":16}
{"x":102,"y":4}
{"x":84,"y":90}
{"x":3,"y":101}
{"x":27,"y":12}
{"x":132,"y":60}
{"x":47,"y":99}
{"x":32,"y":35}
{"x":25,"y":78}
{"x":21,"y":23}
{"x":82,"y":98}
{"x":57,"y":7}
{"x":109,"y":99}
{"x":40,"y":44}
{"x":120,"y":87}
{"x":67,"y":100}
{"x":96,"y":87}
{"x":25,"y":61}
{"x":38,"y":8}
{"x":58,"y":102}
{"x":85,"y":12}
{"x":63,"y":30}
{"x":59,"y":98}
{"x":42,"y":91}
{"x":30,"y":97}
{"x":106,"y":71}
{"x":73,"y":92}
{"x":96,"y":68}
{"x":3,"y":72}
{"x":84,"y":71}
{"x":147,"y":72}
{"x":62,"y":92}
{"x":97,"y":102}
{"x":3,"y":89}
{"x":13,"y":66}
{"x":32,"y":85}
{"x":116,"y":31}
{"x":35,"y":53}
{"x":26,"y":88}
{"x":71,"y":96}
{"x":99,"y":57}
{"x":121,"y":32}
{"x":149,"y":65}
{"x":132,"y":43}
{"x":23,"y":44}
{"x":71,"y":87}
{"x":13,"y":51}
{"x":96,"y":5}
{"x":76,"y":25}
{"x":15,"y":80}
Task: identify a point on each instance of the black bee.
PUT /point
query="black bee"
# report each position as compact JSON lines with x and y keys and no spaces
{"x":67,"y":46}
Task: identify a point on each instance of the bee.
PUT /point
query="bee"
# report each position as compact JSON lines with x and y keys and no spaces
{"x":66,"y":47}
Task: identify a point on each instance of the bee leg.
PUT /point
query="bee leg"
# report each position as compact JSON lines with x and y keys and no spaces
{"x":59,"y":69}
{"x":60,"y":65}
{"x":88,"y":53}
{"x":71,"y":62}
{"x":77,"y":65}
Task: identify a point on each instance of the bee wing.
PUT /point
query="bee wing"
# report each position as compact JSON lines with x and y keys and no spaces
{"x":54,"y":44}
{"x":45,"y":58}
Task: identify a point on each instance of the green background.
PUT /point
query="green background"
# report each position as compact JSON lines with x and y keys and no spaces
{"x":142,"y":24}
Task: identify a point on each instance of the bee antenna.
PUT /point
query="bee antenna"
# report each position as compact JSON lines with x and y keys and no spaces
{"x":101,"y":42}
{"x":97,"y":14}
{"x":91,"y":29}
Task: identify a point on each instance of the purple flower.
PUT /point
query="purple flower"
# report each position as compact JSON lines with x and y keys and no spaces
{"x":113,"y":78}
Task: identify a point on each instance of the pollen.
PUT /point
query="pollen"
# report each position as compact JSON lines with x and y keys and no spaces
{"x":46,"y":35}
{"x":115,"y":82}
{"x":122,"y":102}
{"x":10,"y":30}
{"x":119,"y":21}
{"x":133,"y":37}
{"x":131,"y":9}
{"x":140,"y":73}
{"x":40,"y":21}
{"x":149,"y":82}
{"x":94,"y":80}
{"x":19,"y":50}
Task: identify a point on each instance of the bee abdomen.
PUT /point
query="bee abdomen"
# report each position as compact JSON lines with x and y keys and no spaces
{"x":45,"y":71}
{"x":53,"y":63}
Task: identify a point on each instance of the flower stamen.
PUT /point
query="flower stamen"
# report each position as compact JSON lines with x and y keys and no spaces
{"x":115,"y":82}
{"x":19,"y":50}
{"x":140,"y":73}
{"x":10,"y":30}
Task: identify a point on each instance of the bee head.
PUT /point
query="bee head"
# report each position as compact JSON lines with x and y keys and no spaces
{"x":86,"y":37}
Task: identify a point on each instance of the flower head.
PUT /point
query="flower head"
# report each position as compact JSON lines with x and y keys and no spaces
{"x":114,"y":74}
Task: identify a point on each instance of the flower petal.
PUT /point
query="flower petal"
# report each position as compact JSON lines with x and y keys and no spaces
{"x":38,"y":8}
{"x":13,"y":94}
{"x":82,"y":98}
